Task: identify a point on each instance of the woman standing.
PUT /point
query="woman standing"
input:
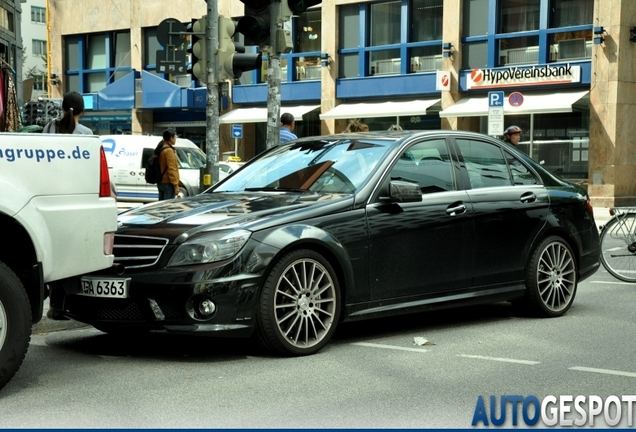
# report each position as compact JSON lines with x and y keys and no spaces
{"x":73,"y":107}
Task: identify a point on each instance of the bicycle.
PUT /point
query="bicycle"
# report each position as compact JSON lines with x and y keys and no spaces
{"x":618,"y":244}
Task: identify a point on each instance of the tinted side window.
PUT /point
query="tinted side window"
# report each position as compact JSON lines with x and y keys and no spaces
{"x":428,"y":164}
{"x":521,"y":175}
{"x":485,"y":164}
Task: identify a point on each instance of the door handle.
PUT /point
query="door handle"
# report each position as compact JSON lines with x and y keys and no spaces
{"x":528,"y":197}
{"x":456,"y":210}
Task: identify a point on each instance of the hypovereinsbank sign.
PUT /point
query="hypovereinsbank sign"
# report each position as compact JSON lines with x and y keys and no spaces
{"x":535,"y":75}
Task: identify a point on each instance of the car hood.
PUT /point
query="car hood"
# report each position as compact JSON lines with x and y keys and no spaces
{"x":213,"y":210}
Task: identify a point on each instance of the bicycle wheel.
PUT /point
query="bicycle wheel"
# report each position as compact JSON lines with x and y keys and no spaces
{"x":618,"y":247}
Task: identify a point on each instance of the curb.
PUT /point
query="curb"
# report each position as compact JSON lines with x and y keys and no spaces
{"x":47,"y":325}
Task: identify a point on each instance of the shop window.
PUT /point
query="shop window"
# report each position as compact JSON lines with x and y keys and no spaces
{"x":426,"y":20}
{"x":426,"y":59}
{"x":349,"y":26}
{"x":308,"y":39}
{"x":151,"y":46}
{"x":93,"y":61}
{"x":519,"y":15}
{"x":575,"y":45}
{"x":348,"y":66}
{"x":566,"y":13}
{"x":385,"y":22}
{"x":475,"y":55}
{"x":524,"y":50}
{"x":373,"y":48}
{"x":476,"y":15}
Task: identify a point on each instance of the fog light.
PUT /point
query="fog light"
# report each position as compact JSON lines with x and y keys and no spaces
{"x":207,"y":307}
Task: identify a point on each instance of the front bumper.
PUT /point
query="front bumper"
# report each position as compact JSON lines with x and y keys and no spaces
{"x":154,"y":304}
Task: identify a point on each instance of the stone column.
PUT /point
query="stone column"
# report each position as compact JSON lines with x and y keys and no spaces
{"x":328,"y":100}
{"x":612,"y":159}
{"x":452,"y":33}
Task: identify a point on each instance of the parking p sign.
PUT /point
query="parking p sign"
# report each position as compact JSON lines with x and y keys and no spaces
{"x":495,"y":113}
{"x":495,"y":99}
{"x":237,"y":131}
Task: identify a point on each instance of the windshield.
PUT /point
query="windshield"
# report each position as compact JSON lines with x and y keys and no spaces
{"x":334,"y":166}
{"x":190,"y":158}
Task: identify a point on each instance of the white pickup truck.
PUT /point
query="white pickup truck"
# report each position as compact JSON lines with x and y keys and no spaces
{"x":57,"y":220}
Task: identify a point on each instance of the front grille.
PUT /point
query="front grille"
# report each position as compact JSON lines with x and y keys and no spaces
{"x":138,"y":251}
{"x":122,"y":310}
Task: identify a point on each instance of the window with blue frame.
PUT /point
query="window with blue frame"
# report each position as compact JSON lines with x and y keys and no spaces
{"x":95,"y":60}
{"x":525,"y":32}
{"x":303,"y":63}
{"x":393,"y":37}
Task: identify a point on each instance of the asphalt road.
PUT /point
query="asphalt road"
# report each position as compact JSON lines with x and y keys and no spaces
{"x":371,"y":375}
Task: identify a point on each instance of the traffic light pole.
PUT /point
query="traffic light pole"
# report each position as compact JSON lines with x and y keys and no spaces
{"x":273,"y":79}
{"x":212,"y":130}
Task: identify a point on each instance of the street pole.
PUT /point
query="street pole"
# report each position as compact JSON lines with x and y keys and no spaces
{"x":212,"y":130}
{"x":273,"y":78}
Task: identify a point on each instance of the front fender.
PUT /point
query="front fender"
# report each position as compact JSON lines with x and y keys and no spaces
{"x":279,"y":241}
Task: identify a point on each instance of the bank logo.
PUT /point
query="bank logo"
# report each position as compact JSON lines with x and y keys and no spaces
{"x":476,"y":75}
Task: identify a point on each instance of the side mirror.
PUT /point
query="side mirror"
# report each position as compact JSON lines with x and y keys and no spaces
{"x":401,"y":191}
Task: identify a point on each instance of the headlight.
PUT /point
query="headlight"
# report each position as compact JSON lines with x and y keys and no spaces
{"x":216,"y":246}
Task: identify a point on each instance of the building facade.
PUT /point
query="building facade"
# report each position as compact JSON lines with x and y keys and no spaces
{"x":34,"y":49}
{"x":564,"y":67}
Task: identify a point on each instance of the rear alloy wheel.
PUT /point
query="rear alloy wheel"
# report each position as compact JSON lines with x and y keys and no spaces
{"x":299,"y":306}
{"x":15,"y":324}
{"x":551,"y":278}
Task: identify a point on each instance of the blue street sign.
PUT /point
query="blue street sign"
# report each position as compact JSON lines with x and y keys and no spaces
{"x":237,"y":131}
{"x":495,"y":99}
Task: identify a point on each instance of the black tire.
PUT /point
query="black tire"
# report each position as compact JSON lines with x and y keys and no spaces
{"x":15,"y":324}
{"x":299,"y":305}
{"x":551,"y":278}
{"x":618,"y":247}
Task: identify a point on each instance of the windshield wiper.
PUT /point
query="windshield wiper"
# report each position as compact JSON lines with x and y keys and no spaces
{"x":274,"y":189}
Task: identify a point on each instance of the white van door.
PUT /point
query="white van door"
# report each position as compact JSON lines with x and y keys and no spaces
{"x":126,"y":166}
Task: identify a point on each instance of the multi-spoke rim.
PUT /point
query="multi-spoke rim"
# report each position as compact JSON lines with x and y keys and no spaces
{"x":3,"y":325}
{"x":556,"y":277}
{"x":305,"y":303}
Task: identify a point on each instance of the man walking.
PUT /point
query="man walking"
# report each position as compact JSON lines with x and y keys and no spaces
{"x":287,"y":127}
{"x":168,"y":186}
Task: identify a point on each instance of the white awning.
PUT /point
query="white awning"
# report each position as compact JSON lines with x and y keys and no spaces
{"x":533,"y":103}
{"x":259,"y":115}
{"x":381,"y":109}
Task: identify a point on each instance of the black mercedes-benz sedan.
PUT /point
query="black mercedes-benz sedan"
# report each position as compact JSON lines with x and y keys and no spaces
{"x":344,"y":227}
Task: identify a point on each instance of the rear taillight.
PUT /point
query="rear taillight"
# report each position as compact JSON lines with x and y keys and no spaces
{"x":104,"y":178}
{"x":589,"y":206}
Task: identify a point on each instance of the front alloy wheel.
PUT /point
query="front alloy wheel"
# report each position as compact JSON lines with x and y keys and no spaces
{"x":551,"y":278}
{"x":300,"y":304}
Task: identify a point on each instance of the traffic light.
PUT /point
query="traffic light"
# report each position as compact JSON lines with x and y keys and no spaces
{"x":196,"y":48}
{"x":232,"y":58}
{"x":255,"y":23}
{"x":295,"y":7}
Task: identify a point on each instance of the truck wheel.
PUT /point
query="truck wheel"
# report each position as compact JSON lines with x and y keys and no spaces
{"x":15,"y":324}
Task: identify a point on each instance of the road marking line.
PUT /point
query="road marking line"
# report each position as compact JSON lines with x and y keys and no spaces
{"x":372,"y":345}
{"x":611,"y":283}
{"x":528,"y":362}
{"x":603,"y":371}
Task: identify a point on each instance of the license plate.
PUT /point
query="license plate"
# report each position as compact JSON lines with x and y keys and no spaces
{"x":106,"y":288}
